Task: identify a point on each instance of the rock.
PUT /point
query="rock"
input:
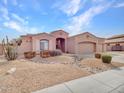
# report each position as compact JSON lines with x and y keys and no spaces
{"x":12,"y":70}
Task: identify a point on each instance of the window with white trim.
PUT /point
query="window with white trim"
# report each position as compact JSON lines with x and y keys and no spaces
{"x":44,"y":44}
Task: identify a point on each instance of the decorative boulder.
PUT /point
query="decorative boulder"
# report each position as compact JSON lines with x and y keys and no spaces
{"x":12,"y":70}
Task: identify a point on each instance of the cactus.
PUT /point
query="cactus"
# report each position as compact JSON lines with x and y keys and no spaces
{"x":9,"y":50}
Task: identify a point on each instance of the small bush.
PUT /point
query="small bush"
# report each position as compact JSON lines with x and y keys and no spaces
{"x":29,"y":54}
{"x":55,"y":52}
{"x":106,"y":58}
{"x":97,"y":55}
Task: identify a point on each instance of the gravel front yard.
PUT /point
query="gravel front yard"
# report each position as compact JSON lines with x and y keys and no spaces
{"x":38,"y":73}
{"x":94,"y":65}
{"x":31,"y":76}
{"x":63,"y":59}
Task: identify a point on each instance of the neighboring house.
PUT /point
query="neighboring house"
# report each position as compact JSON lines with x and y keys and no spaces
{"x":81,"y":43}
{"x":115,"y":43}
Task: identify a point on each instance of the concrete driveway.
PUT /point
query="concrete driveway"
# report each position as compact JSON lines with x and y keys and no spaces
{"x":118,"y":59}
{"x":117,"y":56}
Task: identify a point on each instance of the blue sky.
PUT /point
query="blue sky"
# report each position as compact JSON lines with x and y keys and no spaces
{"x":100,"y":17}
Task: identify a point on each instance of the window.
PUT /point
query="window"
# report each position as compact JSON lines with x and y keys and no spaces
{"x":44,"y":44}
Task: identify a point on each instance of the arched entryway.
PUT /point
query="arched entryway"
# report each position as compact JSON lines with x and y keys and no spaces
{"x":60,"y":44}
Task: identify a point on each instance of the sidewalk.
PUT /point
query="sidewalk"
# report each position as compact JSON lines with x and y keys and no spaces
{"x":111,"y":81}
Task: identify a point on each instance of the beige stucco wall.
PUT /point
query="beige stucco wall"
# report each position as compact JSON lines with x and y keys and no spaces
{"x":71,"y":45}
{"x":100,"y":48}
{"x":26,"y":45}
{"x":60,"y":34}
{"x":36,"y":41}
{"x":100,"y":45}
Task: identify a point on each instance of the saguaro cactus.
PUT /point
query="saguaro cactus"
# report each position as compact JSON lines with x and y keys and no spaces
{"x":10,"y":50}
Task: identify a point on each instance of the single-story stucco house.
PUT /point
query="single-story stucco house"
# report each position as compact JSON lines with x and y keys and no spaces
{"x":81,"y":43}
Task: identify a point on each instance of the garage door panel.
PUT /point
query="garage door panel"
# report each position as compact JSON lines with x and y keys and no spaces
{"x":86,"y":48}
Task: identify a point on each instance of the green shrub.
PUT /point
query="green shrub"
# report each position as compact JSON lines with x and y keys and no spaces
{"x":106,"y":58}
{"x":97,"y":55}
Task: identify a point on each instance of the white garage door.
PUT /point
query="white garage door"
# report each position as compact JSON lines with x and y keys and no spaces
{"x":86,"y":47}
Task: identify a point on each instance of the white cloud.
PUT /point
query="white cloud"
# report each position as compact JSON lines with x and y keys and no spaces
{"x":119,"y":5}
{"x":18,"y":18}
{"x":78,"y":23}
{"x":32,"y":30}
{"x":15,"y":22}
{"x":4,"y":13}
{"x":13,"y":25}
{"x":34,"y":5}
{"x":16,"y":26}
{"x":70,"y":7}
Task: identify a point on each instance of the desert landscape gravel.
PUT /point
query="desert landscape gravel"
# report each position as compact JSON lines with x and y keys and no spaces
{"x":31,"y":76}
